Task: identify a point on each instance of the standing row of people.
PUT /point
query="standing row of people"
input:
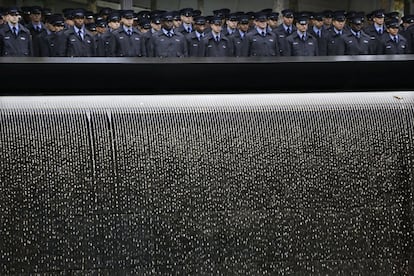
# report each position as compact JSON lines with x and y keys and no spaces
{"x":188,"y":34}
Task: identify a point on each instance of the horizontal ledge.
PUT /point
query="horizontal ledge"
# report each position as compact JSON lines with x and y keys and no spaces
{"x":143,"y":76}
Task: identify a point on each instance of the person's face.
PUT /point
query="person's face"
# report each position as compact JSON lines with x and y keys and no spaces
{"x":13,"y":18}
{"x":272,"y":23}
{"x":356,"y":27}
{"x":317,"y":24}
{"x":244,"y":27}
{"x":200,"y":27}
{"x":127,"y":21}
{"x":186,"y":19}
{"x":327,"y":21}
{"x":302,"y":27}
{"x":216,"y":28}
{"x":156,"y":26}
{"x":36,"y":17}
{"x":100,"y":30}
{"x":167,"y":24}
{"x":79,"y":21}
{"x":177,"y":23}
{"x":378,"y":21}
{"x":70,"y":22}
{"x":393,"y":31}
{"x":261,"y":24}
{"x":59,"y":28}
{"x":143,"y":30}
{"x":114,"y":25}
{"x":50,"y":27}
{"x":232,"y":24}
{"x":287,"y":20}
{"x":89,"y":20}
{"x":339,"y":25}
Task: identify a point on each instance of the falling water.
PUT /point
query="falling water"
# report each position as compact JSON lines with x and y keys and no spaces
{"x":228,"y":184}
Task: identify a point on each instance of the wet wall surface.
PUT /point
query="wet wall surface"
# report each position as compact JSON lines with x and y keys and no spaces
{"x":293,"y":184}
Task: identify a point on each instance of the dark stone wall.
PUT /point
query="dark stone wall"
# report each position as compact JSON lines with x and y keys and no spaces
{"x":146,"y":76}
{"x":291,"y":184}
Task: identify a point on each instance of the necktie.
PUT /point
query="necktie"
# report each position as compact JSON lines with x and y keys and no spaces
{"x":263,"y":34}
{"x":37,"y":29}
{"x":288,"y":30}
{"x":169,"y":34}
{"x":189,"y":30}
{"x":217,"y":38}
{"x":340,"y":32}
{"x":395,"y":39}
{"x":318,"y":33}
{"x":14,"y":31}
{"x":129,"y":32}
{"x":303,"y":37}
{"x":80,"y":34}
{"x":380,"y":31}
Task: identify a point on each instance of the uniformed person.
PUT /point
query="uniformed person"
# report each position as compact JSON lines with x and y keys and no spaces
{"x":68,"y":15}
{"x":105,"y":12}
{"x":301,"y":42}
{"x":231,"y":24}
{"x":167,"y":42}
{"x":327,"y":19}
{"x":89,"y":17}
{"x":106,"y":41}
{"x":155,"y":27}
{"x":15,"y":39}
{"x":377,"y":29}
{"x":176,"y":19}
{"x":408,"y":31}
{"x":272,"y":21}
{"x":260,"y":42}
{"x":2,"y":13}
{"x":195,"y":39}
{"x":25,"y":15}
{"x":52,"y":42}
{"x":101,"y":29}
{"x":392,"y":43}
{"x":317,"y":30}
{"x":334,"y":41}
{"x":186,"y":16}
{"x":356,"y":42}
{"x":79,"y":41}
{"x":239,"y":39}
{"x":144,"y":26}
{"x":46,"y":12}
{"x":216,"y":44}
{"x":284,"y":30}
{"x":128,"y":41}
{"x":36,"y":27}
{"x":91,"y":27}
